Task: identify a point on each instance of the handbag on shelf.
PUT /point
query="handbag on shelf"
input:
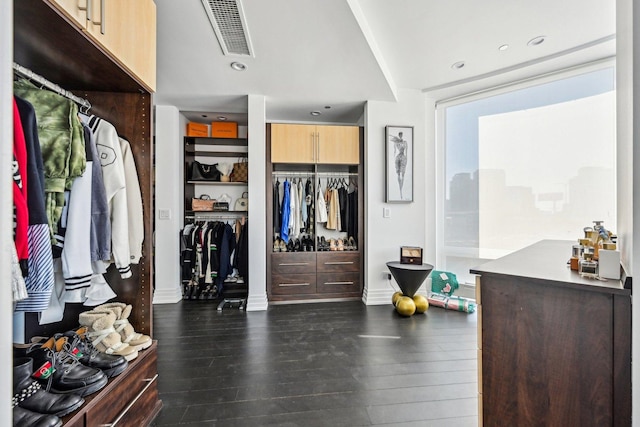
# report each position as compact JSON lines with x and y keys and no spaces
{"x":242,"y":203}
{"x":222,"y":203}
{"x":203,"y":172}
{"x":202,"y":204}
{"x":240,"y":171}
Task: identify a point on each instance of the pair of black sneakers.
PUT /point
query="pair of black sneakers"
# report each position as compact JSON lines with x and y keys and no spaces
{"x":66,"y":367}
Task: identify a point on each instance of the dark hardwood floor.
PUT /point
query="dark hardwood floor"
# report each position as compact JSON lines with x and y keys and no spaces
{"x":326,"y":364}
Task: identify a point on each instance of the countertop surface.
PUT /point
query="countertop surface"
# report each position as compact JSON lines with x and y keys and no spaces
{"x":546,"y":261}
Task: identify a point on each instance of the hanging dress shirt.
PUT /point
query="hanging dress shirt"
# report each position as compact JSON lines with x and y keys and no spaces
{"x":286,"y":212}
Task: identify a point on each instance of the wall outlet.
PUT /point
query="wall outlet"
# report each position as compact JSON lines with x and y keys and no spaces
{"x":386,"y":275}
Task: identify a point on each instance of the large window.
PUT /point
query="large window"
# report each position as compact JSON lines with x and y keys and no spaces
{"x":525,"y":164}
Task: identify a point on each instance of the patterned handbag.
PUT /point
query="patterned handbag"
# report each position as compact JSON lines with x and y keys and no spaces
{"x":240,"y":171}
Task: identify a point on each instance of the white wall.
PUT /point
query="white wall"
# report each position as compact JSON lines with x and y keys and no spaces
{"x":257,"y":204}
{"x":6,"y":203}
{"x":410,"y":224}
{"x":628,"y":162}
{"x":168,"y":191}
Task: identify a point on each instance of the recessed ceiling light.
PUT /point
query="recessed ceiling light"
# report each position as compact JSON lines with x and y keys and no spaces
{"x":315,"y":113}
{"x":536,"y":41}
{"x":205,"y":116}
{"x":503,"y":47}
{"x":238,"y":66}
{"x":457,"y":65}
{"x":327,"y":107}
{"x":221,"y":118}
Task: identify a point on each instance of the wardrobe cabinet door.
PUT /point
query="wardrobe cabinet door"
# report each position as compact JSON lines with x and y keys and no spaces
{"x":127,"y":29}
{"x":76,"y":10}
{"x":293,"y":143}
{"x":338,"y":145}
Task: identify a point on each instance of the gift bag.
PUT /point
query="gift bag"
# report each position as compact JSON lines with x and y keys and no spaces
{"x":203,"y":172}
{"x":240,"y":171}
{"x":443,"y":282}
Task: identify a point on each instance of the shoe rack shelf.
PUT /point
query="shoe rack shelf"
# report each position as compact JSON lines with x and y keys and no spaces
{"x":129,"y":399}
{"x":313,"y":271}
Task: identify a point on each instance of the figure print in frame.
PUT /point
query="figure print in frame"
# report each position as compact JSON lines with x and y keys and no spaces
{"x":399,"y":164}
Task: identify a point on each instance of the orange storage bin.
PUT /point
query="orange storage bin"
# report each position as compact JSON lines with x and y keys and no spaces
{"x":197,"y":129}
{"x":224,"y":129}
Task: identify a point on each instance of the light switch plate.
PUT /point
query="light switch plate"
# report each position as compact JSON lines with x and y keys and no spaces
{"x":164,"y":213}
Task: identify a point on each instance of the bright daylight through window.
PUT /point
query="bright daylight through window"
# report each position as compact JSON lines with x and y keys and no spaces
{"x":524,"y":165}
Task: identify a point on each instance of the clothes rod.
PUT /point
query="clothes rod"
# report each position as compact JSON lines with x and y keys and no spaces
{"x":282,"y":173}
{"x":214,"y":216}
{"x":37,"y":78}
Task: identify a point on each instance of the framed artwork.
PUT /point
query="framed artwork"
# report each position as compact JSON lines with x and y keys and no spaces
{"x":399,"y":164}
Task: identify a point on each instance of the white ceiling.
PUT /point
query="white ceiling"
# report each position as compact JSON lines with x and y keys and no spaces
{"x":340,"y":53}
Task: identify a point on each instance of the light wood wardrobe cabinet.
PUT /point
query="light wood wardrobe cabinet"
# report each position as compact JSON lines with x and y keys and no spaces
{"x":126,"y":29}
{"x":291,"y":143}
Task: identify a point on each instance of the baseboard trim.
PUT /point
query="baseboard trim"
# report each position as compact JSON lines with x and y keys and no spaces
{"x":257,"y":302}
{"x":167,"y":296}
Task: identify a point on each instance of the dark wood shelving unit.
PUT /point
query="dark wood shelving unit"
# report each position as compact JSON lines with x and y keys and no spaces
{"x":47,"y":43}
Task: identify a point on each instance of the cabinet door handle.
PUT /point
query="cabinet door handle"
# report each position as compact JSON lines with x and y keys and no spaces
{"x":89,"y":16}
{"x":149,"y":381}
{"x":318,"y":146}
{"x":294,"y":263}
{"x":338,"y":263}
{"x":293,"y":284}
{"x":88,"y":8}
{"x":338,"y":283}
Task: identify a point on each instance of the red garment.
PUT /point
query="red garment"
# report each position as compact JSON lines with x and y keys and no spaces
{"x":21,"y":209}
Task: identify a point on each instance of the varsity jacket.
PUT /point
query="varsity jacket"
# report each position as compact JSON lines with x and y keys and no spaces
{"x":134,"y":203}
{"x":100,"y":221}
{"x":113,"y":174}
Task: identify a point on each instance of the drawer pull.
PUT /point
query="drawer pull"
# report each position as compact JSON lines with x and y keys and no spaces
{"x":293,"y":284}
{"x":338,"y":263}
{"x":338,"y":283}
{"x":149,"y":381}
{"x":293,"y":263}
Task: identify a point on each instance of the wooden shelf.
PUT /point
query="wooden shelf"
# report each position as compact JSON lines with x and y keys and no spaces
{"x":241,"y":142}
{"x":217,"y":183}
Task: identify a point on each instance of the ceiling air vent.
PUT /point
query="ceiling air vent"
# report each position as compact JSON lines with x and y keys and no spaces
{"x":229,"y":23}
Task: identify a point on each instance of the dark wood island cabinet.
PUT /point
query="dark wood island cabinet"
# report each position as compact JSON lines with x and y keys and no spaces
{"x":554,"y":348}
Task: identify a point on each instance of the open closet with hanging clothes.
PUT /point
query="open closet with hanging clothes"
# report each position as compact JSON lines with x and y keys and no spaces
{"x":314,"y":206}
{"x":214,"y":254}
{"x":87,"y":93}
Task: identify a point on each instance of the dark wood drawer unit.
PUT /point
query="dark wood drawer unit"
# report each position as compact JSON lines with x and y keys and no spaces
{"x":339,"y":283}
{"x":338,"y":262}
{"x":293,"y":263}
{"x":554,"y":348}
{"x":130,"y":399}
{"x":293,"y":284}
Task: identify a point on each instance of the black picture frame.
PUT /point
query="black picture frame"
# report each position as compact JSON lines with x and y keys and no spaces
{"x":398,"y":164}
